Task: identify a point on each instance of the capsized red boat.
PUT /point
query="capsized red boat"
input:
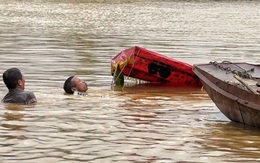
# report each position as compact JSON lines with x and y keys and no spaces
{"x":143,"y":64}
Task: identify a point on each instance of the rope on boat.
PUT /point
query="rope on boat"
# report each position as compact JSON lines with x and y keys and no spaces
{"x":238,"y":75}
{"x":243,"y":74}
{"x":134,"y":61}
{"x":118,"y":73}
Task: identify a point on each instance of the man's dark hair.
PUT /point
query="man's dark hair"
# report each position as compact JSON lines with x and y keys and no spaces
{"x":11,"y":77}
{"x":68,"y":85}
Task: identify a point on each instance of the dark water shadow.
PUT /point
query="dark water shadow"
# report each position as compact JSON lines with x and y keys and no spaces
{"x":155,"y":87}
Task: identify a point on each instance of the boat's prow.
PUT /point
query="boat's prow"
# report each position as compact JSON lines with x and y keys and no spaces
{"x":233,"y":88}
{"x":143,"y":64}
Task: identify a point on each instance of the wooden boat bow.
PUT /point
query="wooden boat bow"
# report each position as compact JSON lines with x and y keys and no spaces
{"x":233,"y":88}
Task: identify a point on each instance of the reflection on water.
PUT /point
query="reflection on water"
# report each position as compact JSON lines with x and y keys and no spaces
{"x":51,"y":40}
{"x":12,"y":121}
{"x":239,"y":142}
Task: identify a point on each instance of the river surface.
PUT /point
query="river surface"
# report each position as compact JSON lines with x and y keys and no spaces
{"x":49,"y":40}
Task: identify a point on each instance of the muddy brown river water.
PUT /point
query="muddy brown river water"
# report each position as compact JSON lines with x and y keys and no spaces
{"x":50,"y":40}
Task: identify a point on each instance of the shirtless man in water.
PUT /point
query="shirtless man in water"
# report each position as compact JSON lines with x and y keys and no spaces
{"x":15,"y":83}
{"x":74,"y":85}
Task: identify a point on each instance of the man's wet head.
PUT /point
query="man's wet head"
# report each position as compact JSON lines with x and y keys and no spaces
{"x":73,"y":83}
{"x":13,"y":78}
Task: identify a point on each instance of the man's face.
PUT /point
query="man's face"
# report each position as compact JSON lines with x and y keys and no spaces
{"x":80,"y":86}
{"x":21,"y":83}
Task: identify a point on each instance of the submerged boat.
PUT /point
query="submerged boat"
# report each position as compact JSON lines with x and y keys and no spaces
{"x":234,"y":88}
{"x":143,"y":64}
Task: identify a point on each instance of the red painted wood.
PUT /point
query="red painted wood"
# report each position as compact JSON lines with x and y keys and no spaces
{"x":144,"y":64}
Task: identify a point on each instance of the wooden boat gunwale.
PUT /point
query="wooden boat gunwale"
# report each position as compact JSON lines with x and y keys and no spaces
{"x":235,"y":103}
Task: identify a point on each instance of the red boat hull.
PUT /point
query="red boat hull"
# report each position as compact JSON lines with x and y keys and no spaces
{"x":146,"y":65}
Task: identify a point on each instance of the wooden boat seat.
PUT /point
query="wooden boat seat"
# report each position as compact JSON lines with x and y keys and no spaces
{"x":251,"y":85}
